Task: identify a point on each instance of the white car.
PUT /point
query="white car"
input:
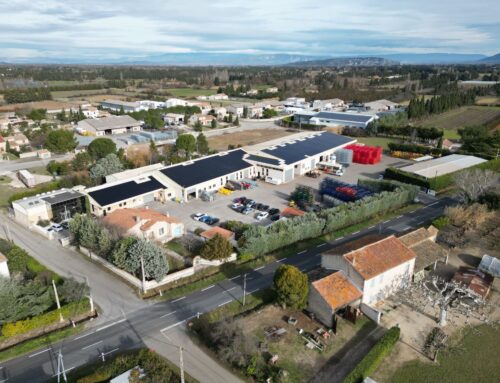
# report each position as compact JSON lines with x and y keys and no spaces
{"x":198,"y":216}
{"x":262,"y":215}
{"x":56,"y":227}
{"x":236,"y":205}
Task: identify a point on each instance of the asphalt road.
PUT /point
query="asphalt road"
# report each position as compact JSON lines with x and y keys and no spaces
{"x":15,"y":165}
{"x":154,"y":322}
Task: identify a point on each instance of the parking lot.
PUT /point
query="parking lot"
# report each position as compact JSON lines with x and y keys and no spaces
{"x":276,"y":196}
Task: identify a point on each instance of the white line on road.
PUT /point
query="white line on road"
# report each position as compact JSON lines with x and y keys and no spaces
{"x":207,"y":288}
{"x":281,"y":260}
{"x":432,"y":204}
{"x":356,"y":232}
{"x":413,"y":211}
{"x":232,"y":288}
{"x":91,"y":345}
{"x":225,"y":303}
{"x":387,"y":221}
{"x":172,"y":326}
{"x":322,"y":244}
{"x":302,"y":252}
{"x":399,"y":216}
{"x":168,"y":314}
{"x":69,"y":369}
{"x":233,"y":278}
{"x":420,"y":223}
{"x":38,"y":353}
{"x":253,"y":291}
{"x":179,"y":299}
{"x":83,"y":336}
{"x":371,"y":227}
{"x":111,"y":324}
{"x":259,"y":268}
{"x":339,"y":238}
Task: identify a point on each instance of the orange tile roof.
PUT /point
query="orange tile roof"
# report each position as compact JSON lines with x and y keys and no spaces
{"x":376,"y":258}
{"x":3,"y":258}
{"x":417,"y":236}
{"x":291,"y":212}
{"x":210,"y":233}
{"x":337,"y":290}
{"x":126,"y":218}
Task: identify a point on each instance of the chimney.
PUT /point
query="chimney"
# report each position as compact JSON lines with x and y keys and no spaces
{"x":137,"y":218}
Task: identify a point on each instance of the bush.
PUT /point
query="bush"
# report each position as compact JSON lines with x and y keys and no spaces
{"x":412,"y":148}
{"x":22,"y":326}
{"x":216,"y":247}
{"x":371,"y":361}
{"x":441,"y":222}
{"x":292,"y":287}
{"x":38,"y":190}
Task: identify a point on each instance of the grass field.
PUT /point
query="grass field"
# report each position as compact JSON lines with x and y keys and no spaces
{"x":75,"y":93}
{"x":473,"y":360}
{"x":491,"y":101}
{"x":454,"y":119}
{"x":246,"y":137}
{"x":377,"y":141}
{"x":5,"y":192}
{"x":190,"y":92}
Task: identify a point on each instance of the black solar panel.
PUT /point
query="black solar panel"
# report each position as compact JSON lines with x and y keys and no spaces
{"x":126,"y":190}
{"x":297,"y":151}
{"x":343,"y":116}
{"x":207,"y":169}
{"x":265,"y":160}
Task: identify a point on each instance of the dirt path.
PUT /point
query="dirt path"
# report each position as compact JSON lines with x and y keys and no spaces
{"x":341,"y":364}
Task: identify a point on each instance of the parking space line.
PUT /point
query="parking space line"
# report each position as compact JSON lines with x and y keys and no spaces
{"x":168,"y":314}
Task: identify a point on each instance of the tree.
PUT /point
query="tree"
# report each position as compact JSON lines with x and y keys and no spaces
{"x":474,"y":183}
{"x":236,"y":121}
{"x":61,"y":141}
{"x":197,"y":126}
{"x":119,"y":255}
{"x":213,"y":124}
{"x":202,"y":144}
{"x":38,"y":114}
{"x":292,"y":287}
{"x":216,"y":247}
{"x":106,"y":166}
{"x":186,"y":143}
{"x":154,"y":153}
{"x":245,"y":112}
{"x":82,"y":161}
{"x":269,"y":113}
{"x":155,"y":262}
{"x":101,"y":147}
{"x":72,"y":290}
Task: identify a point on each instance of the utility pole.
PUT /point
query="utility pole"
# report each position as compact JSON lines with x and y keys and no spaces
{"x":181,"y":364}
{"x":244,"y":288}
{"x":60,"y":367}
{"x":61,"y":319}
{"x":91,"y":301}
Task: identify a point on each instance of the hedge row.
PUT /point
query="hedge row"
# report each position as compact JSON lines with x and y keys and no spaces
{"x":37,"y":190}
{"x":435,"y":183}
{"x":376,"y":355}
{"x":412,"y":148}
{"x":20,"y":261}
{"x":23,"y":326}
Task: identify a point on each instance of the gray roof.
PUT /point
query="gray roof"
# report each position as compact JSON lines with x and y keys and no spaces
{"x":62,"y":197}
{"x":112,"y":122}
{"x":490,"y":265}
{"x":443,"y":165}
{"x":348,"y":117}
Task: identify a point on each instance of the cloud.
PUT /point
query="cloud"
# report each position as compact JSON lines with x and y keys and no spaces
{"x":92,"y":28}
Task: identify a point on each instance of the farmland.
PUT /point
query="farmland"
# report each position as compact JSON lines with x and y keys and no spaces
{"x":247,"y":137}
{"x":190,"y":92}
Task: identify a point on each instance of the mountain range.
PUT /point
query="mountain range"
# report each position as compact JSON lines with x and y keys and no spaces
{"x":272,"y":59}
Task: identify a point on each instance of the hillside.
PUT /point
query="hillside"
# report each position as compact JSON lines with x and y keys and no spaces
{"x":491,"y":60}
{"x":346,"y":61}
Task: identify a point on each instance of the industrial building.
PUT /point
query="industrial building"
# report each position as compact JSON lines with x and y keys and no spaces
{"x":355,"y":120}
{"x":57,"y":206}
{"x":108,"y":125}
{"x":443,"y":165}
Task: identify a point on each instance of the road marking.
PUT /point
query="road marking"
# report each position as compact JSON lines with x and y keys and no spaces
{"x":387,"y":221}
{"x":413,"y":211}
{"x":91,"y":345}
{"x":339,"y":238}
{"x":225,"y":303}
{"x":253,"y":291}
{"x":111,"y":324}
{"x":179,"y":299}
{"x":83,"y":336}
{"x":420,"y":223}
{"x":356,"y":232}
{"x":281,"y":260}
{"x":232,"y":288}
{"x":172,"y":326}
{"x":207,"y":288}
{"x":109,"y":352}
{"x":432,"y":204}
{"x":259,"y":268}
{"x":399,"y":216}
{"x":168,"y":314}
{"x":233,"y":278}
{"x":371,"y":227}
{"x":38,"y":353}
{"x":1,"y":381}
{"x":69,"y":369}
{"x":323,"y":244}
{"x":302,"y":252}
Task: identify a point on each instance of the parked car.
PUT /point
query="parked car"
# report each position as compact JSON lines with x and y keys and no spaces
{"x":275,"y":217}
{"x":241,"y":200}
{"x":209,"y":220}
{"x":56,"y":227}
{"x":262,"y":215}
{"x":247,"y":210}
{"x":274,"y":211}
{"x":236,"y":206}
{"x":264,"y":207}
{"x":250,"y":203}
{"x":199,"y":216}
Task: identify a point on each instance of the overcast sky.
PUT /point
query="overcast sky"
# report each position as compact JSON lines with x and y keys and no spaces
{"x":114,"y":29}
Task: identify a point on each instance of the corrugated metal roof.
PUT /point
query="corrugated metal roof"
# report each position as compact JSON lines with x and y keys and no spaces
{"x":347,"y":117}
{"x":490,"y":265}
{"x":112,"y":122}
{"x":443,"y":165}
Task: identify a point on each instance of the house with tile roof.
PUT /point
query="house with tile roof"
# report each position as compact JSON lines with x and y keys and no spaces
{"x":212,"y":232}
{"x":377,"y":269}
{"x":145,"y":224}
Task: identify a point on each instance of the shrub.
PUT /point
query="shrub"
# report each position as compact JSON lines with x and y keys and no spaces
{"x":441,"y":222}
{"x":216,"y":247}
{"x":292,"y":287}
{"x":34,"y":191}
{"x":374,"y":357}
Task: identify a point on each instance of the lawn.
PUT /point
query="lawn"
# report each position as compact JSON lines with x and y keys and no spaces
{"x":455,"y":119}
{"x":5,"y":192}
{"x":473,"y":360}
{"x":40,"y":170}
{"x":190,"y":92}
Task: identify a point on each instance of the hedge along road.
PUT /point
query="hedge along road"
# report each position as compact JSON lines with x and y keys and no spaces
{"x":152,"y":324}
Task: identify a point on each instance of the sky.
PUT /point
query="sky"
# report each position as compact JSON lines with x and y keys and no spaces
{"x":103,"y":29}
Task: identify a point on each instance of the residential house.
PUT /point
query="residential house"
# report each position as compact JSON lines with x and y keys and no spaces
{"x":451,"y":145}
{"x":173,"y":118}
{"x":108,"y":125}
{"x":204,"y":120}
{"x":17,"y":141}
{"x":236,"y":109}
{"x":254,"y":111}
{"x":145,"y":224}
{"x":218,"y":97}
{"x":252,"y":92}
{"x":220,"y":112}
{"x":175,"y":102}
{"x":212,"y":232}
{"x":272,"y":89}
{"x":4,"y":267}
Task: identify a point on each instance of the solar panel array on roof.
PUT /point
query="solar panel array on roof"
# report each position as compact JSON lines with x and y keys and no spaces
{"x":344,"y":116}
{"x":207,"y":168}
{"x":309,"y":146}
{"x":125,"y":190}
{"x":62,"y":197}
{"x":265,"y":160}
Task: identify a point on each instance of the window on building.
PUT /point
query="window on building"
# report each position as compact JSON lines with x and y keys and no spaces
{"x":161,"y":231}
